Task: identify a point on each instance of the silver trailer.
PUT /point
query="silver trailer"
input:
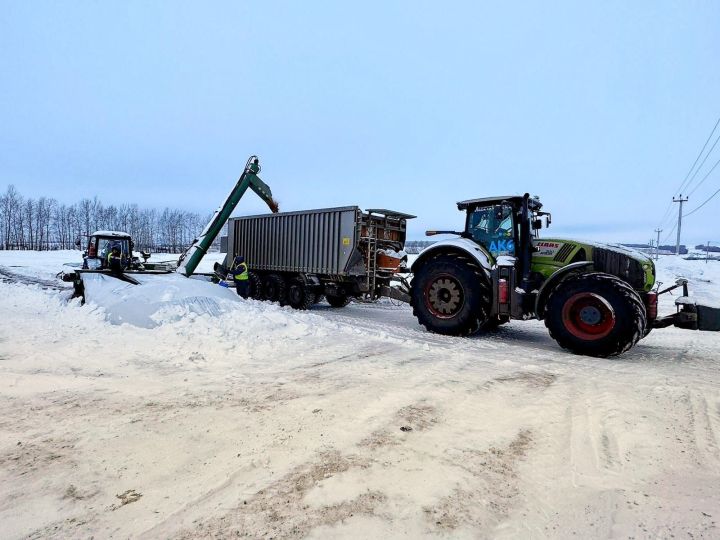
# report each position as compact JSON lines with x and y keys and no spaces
{"x":341,"y":253}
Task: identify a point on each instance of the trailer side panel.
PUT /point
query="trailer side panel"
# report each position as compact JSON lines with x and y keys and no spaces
{"x":314,"y":241}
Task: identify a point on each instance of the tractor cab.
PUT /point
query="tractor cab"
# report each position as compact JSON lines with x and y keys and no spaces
{"x":100,"y":244}
{"x":504,"y":226}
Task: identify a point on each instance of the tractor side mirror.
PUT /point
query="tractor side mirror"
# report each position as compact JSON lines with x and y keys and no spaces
{"x":537,"y":224}
{"x":145,"y":255}
{"x":548,"y":220}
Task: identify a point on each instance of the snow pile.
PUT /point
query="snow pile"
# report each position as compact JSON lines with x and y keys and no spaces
{"x":185,"y":304}
{"x":158,"y":298}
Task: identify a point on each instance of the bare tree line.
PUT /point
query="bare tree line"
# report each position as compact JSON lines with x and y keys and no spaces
{"x":45,"y":223}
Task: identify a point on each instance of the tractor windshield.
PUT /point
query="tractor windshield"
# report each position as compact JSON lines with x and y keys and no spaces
{"x":104,"y":245}
{"x":492,"y":227}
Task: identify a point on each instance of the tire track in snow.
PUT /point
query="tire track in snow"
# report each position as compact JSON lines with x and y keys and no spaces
{"x":8,"y":276}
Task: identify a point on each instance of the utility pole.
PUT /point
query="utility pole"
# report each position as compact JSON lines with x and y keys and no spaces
{"x":657,"y":246}
{"x":681,"y":201}
{"x":707,"y":252}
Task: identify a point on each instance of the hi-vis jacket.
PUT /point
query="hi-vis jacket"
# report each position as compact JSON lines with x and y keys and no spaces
{"x":241,"y":272}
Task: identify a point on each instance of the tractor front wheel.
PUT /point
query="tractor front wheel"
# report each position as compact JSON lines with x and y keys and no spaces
{"x":595,"y":314}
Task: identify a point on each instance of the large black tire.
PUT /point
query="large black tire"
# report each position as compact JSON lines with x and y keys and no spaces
{"x":275,"y":288}
{"x":299,"y":295}
{"x":596,"y":315}
{"x":256,"y":288}
{"x":450,"y":295}
{"x":339,"y":301}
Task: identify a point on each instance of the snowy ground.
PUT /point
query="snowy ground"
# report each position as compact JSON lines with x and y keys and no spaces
{"x":260,"y":421}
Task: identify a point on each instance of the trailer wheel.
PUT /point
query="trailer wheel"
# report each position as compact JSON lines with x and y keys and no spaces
{"x":595,"y":314}
{"x":338,"y":301}
{"x":299,"y":295}
{"x":275,"y":288}
{"x":256,"y":288}
{"x":450,"y":295}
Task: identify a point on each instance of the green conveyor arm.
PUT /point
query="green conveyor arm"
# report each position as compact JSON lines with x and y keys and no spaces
{"x":190,"y":260}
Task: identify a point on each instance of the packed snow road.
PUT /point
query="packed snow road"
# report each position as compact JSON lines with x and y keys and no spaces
{"x":260,"y":421}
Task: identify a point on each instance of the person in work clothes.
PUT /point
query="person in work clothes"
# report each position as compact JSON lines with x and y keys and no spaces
{"x":114,"y":260}
{"x":241,"y":277}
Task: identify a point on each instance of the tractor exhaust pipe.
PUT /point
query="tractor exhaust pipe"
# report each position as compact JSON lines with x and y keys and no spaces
{"x":526,"y":247}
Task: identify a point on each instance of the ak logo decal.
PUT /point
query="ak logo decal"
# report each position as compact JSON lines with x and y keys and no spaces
{"x":502,"y":246}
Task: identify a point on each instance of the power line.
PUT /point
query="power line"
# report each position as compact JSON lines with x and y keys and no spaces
{"x":665,"y":215}
{"x":704,"y":177}
{"x":669,"y":234}
{"x":698,"y":157}
{"x":703,"y":204}
{"x":703,"y":163}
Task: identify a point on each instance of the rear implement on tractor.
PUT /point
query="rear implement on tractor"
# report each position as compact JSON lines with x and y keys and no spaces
{"x":596,"y":299}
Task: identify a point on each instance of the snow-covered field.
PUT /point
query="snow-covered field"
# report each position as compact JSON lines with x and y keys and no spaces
{"x":253,"y":420}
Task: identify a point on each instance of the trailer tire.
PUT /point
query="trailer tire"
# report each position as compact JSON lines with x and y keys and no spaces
{"x":450,"y":295}
{"x":339,"y":301}
{"x":256,"y":288}
{"x":595,"y":314}
{"x":275,"y":288}
{"x":299,"y":295}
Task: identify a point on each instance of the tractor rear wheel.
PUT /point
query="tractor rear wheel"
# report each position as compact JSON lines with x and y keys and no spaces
{"x":595,"y":314}
{"x":299,"y":295}
{"x":450,"y":295}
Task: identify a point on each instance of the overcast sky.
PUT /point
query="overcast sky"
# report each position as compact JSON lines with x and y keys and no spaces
{"x":600,"y":110}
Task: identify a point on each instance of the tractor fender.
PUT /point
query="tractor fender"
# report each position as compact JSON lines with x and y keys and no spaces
{"x":463,"y":246}
{"x":554,"y":280}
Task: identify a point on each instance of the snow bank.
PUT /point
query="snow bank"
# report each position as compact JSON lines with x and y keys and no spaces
{"x":186,"y":304}
{"x":158,"y":298}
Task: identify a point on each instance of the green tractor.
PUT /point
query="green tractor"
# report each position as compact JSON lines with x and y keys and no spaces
{"x":596,"y":299}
